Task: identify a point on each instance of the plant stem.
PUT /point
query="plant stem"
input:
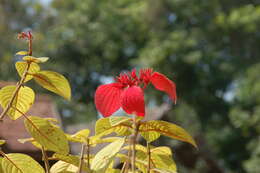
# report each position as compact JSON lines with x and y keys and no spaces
{"x":135,"y":131}
{"x":30,"y":46}
{"x":81,"y":158}
{"x":46,"y":161}
{"x":149,"y":157}
{"x":19,"y":85}
{"x":88,"y":153}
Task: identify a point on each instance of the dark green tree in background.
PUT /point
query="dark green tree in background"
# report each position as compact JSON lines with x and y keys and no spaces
{"x":209,"y":48}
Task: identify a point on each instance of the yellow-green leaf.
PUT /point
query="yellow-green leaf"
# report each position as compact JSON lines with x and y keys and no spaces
{"x":164,"y":162}
{"x":22,"y":66}
{"x":54,"y":82}
{"x":34,"y":59}
{"x":103,"y":158}
{"x":162,"y":151}
{"x":31,"y":140}
{"x":118,"y":120}
{"x":111,"y":170}
{"x":166,"y":129}
{"x":1,"y":170}
{"x":103,"y":127}
{"x":94,"y":141}
{"x":48,"y":135}
{"x":139,"y":161}
{"x":20,"y":163}
{"x":162,"y":170}
{"x":22,"y":53}
{"x":22,"y":102}
{"x":61,"y":167}
{"x":80,"y":136}
{"x":71,"y":159}
{"x":2,"y":142}
{"x":150,"y":136}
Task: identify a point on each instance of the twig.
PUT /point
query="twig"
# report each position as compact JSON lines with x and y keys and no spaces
{"x":45,"y":159}
{"x":149,"y":157}
{"x":81,"y":158}
{"x":135,"y":131}
{"x":88,"y":153}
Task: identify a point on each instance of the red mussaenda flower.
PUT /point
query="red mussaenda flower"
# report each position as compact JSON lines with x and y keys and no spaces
{"x":127,"y":92}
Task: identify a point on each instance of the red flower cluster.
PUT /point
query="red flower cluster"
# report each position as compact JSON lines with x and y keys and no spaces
{"x":24,"y":35}
{"x":127,"y":92}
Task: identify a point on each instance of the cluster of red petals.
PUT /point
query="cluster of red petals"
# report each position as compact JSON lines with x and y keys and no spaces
{"x":128,"y":92}
{"x":25,"y":35}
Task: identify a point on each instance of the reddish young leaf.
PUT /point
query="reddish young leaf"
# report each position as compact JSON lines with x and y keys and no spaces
{"x":108,"y":98}
{"x":162,"y":83}
{"x":133,"y":101}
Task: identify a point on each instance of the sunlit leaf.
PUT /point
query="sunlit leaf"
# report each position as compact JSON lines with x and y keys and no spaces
{"x":94,"y":141}
{"x":71,"y":159}
{"x":22,"y":53}
{"x":22,"y":102}
{"x":103,"y":127}
{"x":162,"y":151}
{"x":166,"y":129}
{"x":67,"y":158}
{"x":20,"y":163}
{"x":22,"y":66}
{"x":163,"y":171}
{"x":139,"y":162}
{"x":60,"y":167}
{"x":163,"y":161}
{"x":80,"y":136}
{"x":103,"y":158}
{"x":111,"y":170}
{"x":31,"y":140}
{"x":1,"y":170}
{"x":118,"y":120}
{"x":34,"y":59}
{"x":48,"y":135}
{"x":2,"y":142}
{"x":54,"y":82}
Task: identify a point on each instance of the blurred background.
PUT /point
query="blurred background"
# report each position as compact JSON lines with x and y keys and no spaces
{"x":209,"y":48}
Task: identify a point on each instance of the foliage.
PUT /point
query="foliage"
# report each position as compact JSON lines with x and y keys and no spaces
{"x":207,"y":47}
{"x":47,"y":135}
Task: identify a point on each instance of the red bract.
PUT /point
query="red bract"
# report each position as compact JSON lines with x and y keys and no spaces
{"x":127,"y":92}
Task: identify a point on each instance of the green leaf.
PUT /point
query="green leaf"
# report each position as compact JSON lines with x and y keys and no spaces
{"x":61,"y":167}
{"x":2,"y":142}
{"x":80,"y":136}
{"x":1,"y":170}
{"x":103,"y":127}
{"x":36,"y":60}
{"x":163,"y":161}
{"x":118,"y":120}
{"x":31,"y":140}
{"x":163,"y":171}
{"x":48,"y":135}
{"x":71,"y":159}
{"x":54,"y":82}
{"x":22,"y":53}
{"x":103,"y":158}
{"x":111,"y":170}
{"x":20,"y":163}
{"x":166,"y":129}
{"x":22,"y":66}
{"x":162,"y":151}
{"x":94,"y":141}
{"x":23,"y":100}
